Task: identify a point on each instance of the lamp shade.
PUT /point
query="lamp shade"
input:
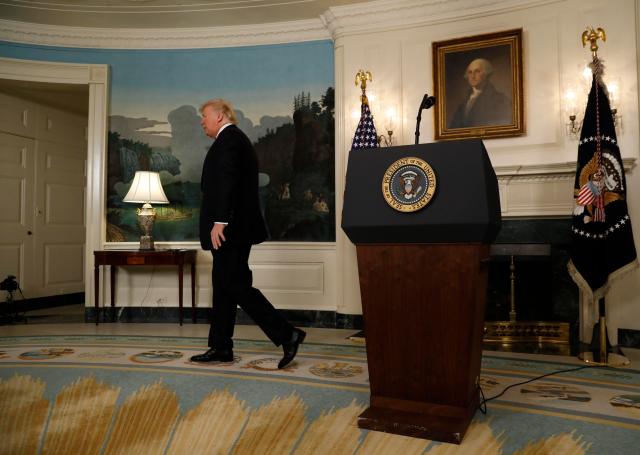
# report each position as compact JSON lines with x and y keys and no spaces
{"x":146,"y":188}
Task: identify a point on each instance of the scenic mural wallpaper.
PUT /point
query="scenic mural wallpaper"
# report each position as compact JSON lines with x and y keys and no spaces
{"x":284,"y":100}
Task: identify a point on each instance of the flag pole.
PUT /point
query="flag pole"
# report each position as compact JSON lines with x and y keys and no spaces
{"x":600,"y":347}
{"x":604,"y":337}
{"x":600,"y":351}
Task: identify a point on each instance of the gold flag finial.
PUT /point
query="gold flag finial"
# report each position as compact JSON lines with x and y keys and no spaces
{"x":361,"y":78}
{"x":592,"y":36}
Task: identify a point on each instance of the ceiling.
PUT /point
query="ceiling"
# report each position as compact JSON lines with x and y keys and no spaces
{"x":143,"y":14}
{"x":163,"y":13}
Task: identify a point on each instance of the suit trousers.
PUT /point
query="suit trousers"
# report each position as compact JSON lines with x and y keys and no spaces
{"x":232,"y":287}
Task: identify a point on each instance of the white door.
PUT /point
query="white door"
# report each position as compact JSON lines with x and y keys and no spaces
{"x":16,"y":209}
{"x":60,"y":183}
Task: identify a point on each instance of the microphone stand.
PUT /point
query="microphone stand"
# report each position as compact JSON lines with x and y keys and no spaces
{"x":427,"y":102}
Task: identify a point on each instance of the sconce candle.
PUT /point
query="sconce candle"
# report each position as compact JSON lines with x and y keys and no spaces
{"x":389,"y":123}
{"x":390,"y":118}
{"x":570,"y":102}
{"x":613,"y":87}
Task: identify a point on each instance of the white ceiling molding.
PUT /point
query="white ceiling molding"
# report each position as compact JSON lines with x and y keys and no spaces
{"x":160,"y":14}
{"x":167,"y":38}
{"x":383,"y":15}
{"x":337,"y":21}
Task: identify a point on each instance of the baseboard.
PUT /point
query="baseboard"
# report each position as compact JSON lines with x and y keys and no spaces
{"x":23,"y":305}
{"x":311,"y":318}
{"x":629,"y":338}
{"x":299,"y":318}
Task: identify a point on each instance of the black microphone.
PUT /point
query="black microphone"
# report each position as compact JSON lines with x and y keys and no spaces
{"x":427,"y":102}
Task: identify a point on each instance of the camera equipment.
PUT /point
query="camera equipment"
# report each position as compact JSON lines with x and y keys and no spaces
{"x":10,"y":314}
{"x":9,"y":284}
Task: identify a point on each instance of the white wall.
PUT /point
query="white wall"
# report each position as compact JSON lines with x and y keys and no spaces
{"x":536,"y":171}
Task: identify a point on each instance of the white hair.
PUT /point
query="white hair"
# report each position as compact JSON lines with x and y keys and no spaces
{"x":486,"y":64}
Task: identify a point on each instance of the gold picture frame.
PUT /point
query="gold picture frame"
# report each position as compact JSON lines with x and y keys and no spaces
{"x":478,"y":86}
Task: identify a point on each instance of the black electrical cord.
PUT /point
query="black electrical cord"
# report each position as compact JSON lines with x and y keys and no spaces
{"x":483,"y":403}
{"x":146,"y":294}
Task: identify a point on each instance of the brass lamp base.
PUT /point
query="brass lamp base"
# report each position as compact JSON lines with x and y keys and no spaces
{"x":146,"y":217}
{"x":146,"y":242}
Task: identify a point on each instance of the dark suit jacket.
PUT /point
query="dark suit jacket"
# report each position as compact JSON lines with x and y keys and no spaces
{"x":491,"y":108}
{"x":230,"y":190}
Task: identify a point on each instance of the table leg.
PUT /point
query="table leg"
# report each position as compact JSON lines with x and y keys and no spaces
{"x":193,"y":291}
{"x":113,"y":296}
{"x":96,"y":287}
{"x":180,"y":279}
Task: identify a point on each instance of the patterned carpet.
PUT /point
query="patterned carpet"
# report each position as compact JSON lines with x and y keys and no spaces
{"x":141,"y":395}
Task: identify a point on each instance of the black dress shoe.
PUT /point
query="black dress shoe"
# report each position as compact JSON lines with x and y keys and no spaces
{"x":214,"y":355}
{"x":290,"y":348}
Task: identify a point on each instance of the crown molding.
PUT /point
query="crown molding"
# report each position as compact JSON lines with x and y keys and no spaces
{"x":384,"y":15}
{"x":175,"y":38}
{"x":336,"y":22}
{"x":549,"y":171}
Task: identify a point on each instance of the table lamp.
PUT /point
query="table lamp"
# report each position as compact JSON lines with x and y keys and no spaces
{"x":146,"y":188}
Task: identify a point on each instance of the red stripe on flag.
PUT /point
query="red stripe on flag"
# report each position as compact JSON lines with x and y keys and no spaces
{"x":586,"y":196}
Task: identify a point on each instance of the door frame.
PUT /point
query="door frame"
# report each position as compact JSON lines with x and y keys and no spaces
{"x":96,"y":76}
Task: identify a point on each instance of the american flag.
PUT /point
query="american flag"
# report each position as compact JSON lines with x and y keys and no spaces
{"x":588,"y":193}
{"x":366,"y":135}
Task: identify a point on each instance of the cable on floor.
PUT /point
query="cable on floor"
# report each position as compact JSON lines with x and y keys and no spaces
{"x":483,"y":402}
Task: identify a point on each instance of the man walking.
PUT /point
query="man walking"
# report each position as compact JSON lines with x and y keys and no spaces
{"x":230,"y":223}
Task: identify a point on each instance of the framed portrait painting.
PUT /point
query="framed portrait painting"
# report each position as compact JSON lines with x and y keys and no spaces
{"x":478,"y":86}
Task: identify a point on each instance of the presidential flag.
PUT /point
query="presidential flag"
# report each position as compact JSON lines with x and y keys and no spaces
{"x":602,"y":245}
{"x":366,"y":135}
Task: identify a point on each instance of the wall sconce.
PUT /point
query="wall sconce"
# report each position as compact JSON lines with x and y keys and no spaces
{"x":613,"y":87}
{"x":574,"y":99}
{"x":389,"y":123}
{"x":572,"y":107}
{"x":574,"y":126}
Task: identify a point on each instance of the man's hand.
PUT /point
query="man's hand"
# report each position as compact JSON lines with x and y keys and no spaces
{"x":217,"y":236}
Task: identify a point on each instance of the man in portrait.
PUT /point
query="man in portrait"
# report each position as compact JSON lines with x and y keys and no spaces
{"x":483,"y":104}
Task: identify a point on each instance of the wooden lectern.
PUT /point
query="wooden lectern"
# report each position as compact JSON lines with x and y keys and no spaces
{"x":423,"y":279}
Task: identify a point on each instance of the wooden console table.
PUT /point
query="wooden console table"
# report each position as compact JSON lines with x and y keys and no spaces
{"x":115,"y":258}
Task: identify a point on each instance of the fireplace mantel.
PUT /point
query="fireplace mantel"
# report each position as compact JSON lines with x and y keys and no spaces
{"x":540,"y":190}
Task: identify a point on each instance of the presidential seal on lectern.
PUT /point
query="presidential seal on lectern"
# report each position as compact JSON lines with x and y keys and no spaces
{"x":408,"y":184}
